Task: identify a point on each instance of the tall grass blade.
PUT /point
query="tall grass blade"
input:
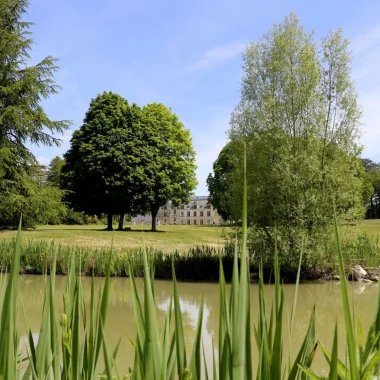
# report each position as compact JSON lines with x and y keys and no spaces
{"x":196,"y":356}
{"x":351,"y":346}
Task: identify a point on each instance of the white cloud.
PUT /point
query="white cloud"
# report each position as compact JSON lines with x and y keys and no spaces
{"x":217,"y":56}
{"x":43,"y":160}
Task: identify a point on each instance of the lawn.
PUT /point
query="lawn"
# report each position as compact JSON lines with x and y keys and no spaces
{"x":370,"y":227}
{"x":168,"y":238}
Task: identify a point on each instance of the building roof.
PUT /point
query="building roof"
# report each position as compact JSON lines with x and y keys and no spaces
{"x":200,"y":198}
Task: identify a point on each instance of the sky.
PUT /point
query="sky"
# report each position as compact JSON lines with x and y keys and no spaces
{"x":187,"y":55}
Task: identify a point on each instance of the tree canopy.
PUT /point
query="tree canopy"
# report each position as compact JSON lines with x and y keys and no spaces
{"x":170,"y":170}
{"x":222,"y":187}
{"x":22,"y":117}
{"x":300,"y":117}
{"x":54,"y":171}
{"x":127,"y":160}
{"x":101,"y":169}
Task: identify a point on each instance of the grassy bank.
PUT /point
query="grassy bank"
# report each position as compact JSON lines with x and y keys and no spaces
{"x":198,"y":263}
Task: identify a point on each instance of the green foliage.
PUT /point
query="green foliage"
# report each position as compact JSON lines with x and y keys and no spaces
{"x":372,"y":186}
{"x":24,"y":121}
{"x":161,"y":354}
{"x":222,"y":188}
{"x":79,"y":218}
{"x":38,"y":203}
{"x":22,"y":87}
{"x":101,"y":165}
{"x":54,"y":171}
{"x":170,"y":166}
{"x":300,"y":118}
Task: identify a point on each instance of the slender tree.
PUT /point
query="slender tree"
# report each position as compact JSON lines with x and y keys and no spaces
{"x":300,"y":117}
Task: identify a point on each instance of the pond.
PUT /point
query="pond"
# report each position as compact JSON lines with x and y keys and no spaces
{"x":120,"y":321}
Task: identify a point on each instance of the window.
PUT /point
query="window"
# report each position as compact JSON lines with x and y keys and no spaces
{"x":188,"y":213}
{"x":174,"y":211}
{"x":188,"y":221}
{"x":201,"y":221}
{"x":195,"y":213}
{"x":182,"y":213}
{"x":165,"y":215}
{"x":209,"y":213}
{"x":165,"y":221}
{"x":208,"y":221}
{"x":195,"y":221}
{"x":201,"y":213}
{"x":182,"y":207}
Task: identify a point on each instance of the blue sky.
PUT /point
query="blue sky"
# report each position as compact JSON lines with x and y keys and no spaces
{"x":187,"y":55}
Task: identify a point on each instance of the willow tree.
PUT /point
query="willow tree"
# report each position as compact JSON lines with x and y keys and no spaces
{"x":300,"y":116}
{"x":23,"y":86}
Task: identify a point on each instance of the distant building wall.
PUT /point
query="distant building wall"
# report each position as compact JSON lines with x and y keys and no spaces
{"x":197,"y":212}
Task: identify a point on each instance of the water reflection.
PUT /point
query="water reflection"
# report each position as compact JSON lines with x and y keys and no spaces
{"x":120,"y":320}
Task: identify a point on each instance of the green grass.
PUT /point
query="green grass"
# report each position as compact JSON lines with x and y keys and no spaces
{"x":76,"y":348}
{"x":169,"y":238}
{"x":370,"y":227}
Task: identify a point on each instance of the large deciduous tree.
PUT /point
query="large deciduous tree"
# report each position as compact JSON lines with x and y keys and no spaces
{"x":170,"y":165}
{"x":103,"y":169}
{"x":22,"y":117}
{"x":300,"y":117}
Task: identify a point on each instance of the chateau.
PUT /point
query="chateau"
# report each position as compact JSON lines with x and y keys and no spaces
{"x":198,"y":211}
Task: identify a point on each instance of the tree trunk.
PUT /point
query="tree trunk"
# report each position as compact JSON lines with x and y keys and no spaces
{"x":372,"y":208}
{"x":154,"y":211}
{"x":121,"y":222}
{"x":109,"y":222}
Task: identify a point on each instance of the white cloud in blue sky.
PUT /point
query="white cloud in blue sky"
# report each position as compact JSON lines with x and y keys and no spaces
{"x":187,"y":55}
{"x":217,"y":56}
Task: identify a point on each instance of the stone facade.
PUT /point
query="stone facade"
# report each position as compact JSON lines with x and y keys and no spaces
{"x":197,"y":212}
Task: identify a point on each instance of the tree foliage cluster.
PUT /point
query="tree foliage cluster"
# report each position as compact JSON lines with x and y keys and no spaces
{"x":300,"y":118}
{"x":125,"y":159}
{"x":23,"y":121}
{"x":372,"y":186}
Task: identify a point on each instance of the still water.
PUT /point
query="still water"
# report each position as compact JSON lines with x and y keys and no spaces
{"x":120,"y":321}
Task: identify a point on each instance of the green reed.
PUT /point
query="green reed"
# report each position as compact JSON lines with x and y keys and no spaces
{"x":73,"y":348}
